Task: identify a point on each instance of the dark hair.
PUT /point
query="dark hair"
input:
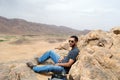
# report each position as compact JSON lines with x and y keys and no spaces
{"x":75,"y":37}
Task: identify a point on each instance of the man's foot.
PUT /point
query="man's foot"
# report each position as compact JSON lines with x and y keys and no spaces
{"x":37,"y":60}
{"x":30,"y":65}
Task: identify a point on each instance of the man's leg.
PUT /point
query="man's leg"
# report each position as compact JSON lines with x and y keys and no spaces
{"x":49,"y":68}
{"x":49,"y":54}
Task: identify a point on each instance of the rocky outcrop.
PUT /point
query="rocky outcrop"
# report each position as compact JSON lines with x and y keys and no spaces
{"x":99,"y":58}
{"x":16,"y":70}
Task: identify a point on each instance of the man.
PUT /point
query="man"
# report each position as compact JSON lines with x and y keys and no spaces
{"x":61,"y":65}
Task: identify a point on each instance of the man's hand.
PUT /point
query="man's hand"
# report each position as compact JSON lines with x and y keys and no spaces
{"x":68,"y":64}
{"x":57,"y":64}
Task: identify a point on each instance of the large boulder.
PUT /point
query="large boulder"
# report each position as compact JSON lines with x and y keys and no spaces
{"x":16,"y":71}
{"x":99,"y":57}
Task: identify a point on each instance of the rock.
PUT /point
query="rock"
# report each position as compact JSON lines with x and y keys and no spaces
{"x":63,"y":46}
{"x":16,"y":71}
{"x":116,"y":30}
{"x":99,"y":57}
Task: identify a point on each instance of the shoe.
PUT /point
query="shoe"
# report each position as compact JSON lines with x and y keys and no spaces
{"x":37,"y":60}
{"x":30,"y":65}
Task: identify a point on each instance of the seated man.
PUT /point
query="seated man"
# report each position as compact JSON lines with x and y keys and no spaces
{"x":61,"y":65}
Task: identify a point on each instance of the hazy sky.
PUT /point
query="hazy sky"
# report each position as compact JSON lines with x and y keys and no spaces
{"x":78,"y":14}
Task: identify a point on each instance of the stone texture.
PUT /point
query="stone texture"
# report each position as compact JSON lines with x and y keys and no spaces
{"x":99,"y":58}
{"x":16,"y":71}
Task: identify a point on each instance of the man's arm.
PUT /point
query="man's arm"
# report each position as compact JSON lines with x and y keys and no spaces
{"x":68,"y":64}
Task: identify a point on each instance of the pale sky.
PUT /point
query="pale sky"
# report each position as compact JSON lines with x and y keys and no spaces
{"x":77,"y":14}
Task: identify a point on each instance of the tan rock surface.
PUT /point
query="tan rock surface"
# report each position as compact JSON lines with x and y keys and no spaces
{"x":99,"y":58}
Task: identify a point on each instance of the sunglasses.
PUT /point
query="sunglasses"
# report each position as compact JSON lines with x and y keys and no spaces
{"x":71,"y":41}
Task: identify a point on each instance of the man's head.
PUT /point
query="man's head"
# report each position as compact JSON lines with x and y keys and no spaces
{"x":73,"y":41}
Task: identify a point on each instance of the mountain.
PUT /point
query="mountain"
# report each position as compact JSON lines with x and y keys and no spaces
{"x":23,"y":27}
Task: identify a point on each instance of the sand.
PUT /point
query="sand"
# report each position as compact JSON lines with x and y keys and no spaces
{"x":16,"y":49}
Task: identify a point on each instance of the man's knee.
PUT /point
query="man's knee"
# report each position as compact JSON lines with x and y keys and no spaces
{"x":51,"y":51}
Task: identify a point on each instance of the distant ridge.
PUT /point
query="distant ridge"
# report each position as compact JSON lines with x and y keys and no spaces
{"x":23,"y":27}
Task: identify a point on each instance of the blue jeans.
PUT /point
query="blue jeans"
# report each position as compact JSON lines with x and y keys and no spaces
{"x":49,"y":68}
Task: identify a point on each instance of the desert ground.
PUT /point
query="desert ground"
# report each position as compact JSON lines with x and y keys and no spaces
{"x":16,"y":48}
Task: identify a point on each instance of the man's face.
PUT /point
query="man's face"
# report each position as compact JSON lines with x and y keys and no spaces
{"x":72,"y":42}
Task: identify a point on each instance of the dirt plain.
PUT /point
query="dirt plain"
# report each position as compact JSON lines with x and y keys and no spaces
{"x":16,"y":48}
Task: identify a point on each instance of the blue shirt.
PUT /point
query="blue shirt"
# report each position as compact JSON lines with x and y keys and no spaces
{"x":73,"y":53}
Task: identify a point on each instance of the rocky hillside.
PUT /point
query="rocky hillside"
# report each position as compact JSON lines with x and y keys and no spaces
{"x":23,"y":27}
{"x":99,"y":59}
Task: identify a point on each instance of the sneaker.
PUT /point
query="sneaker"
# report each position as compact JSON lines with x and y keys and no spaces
{"x":30,"y":65}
